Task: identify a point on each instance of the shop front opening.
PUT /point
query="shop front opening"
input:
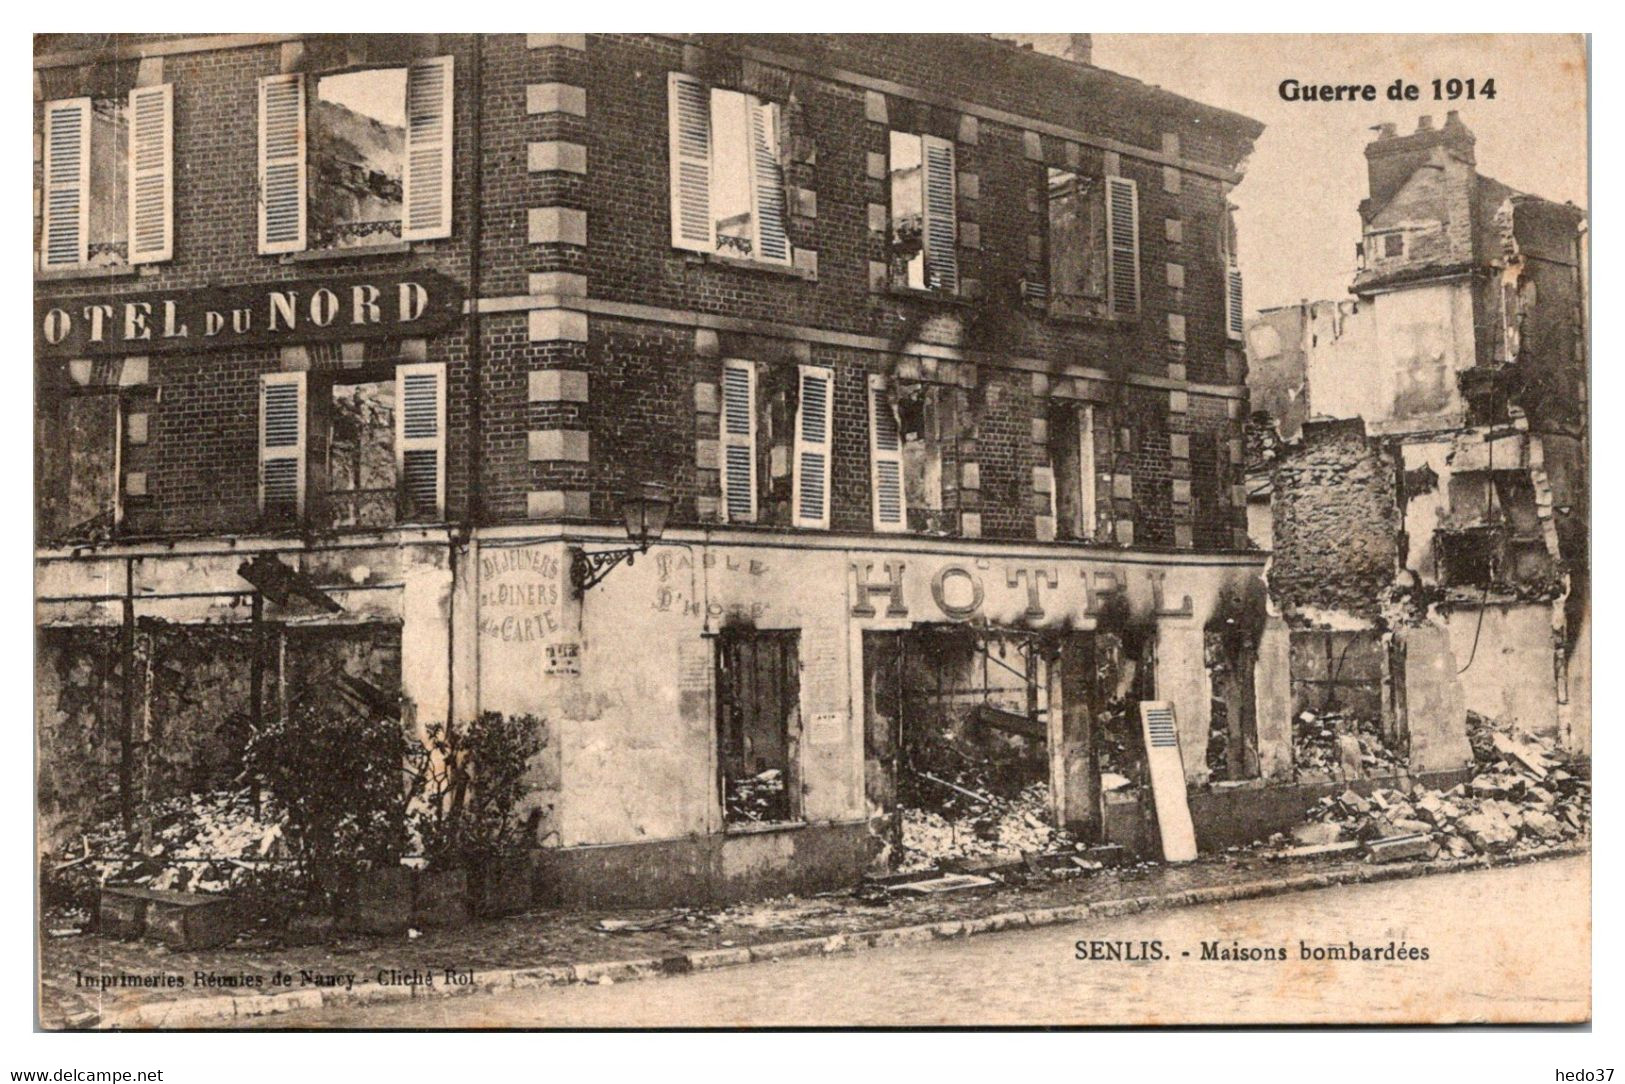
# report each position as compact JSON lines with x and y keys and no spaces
{"x":758,"y":726}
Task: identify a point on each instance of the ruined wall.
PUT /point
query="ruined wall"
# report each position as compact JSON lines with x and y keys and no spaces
{"x":1511,"y":675}
{"x":1336,"y":522}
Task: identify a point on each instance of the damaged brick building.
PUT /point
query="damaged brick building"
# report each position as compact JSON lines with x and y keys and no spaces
{"x":1421,"y":452}
{"x":925,"y":351}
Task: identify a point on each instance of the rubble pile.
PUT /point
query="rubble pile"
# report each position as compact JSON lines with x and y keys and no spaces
{"x":195,"y":843}
{"x":761,"y":797}
{"x":1316,"y":748}
{"x":1526,"y":793}
{"x":999,"y":828}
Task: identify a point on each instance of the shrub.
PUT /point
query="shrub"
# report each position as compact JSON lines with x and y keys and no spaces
{"x":472,"y":780}
{"x":336,"y":775}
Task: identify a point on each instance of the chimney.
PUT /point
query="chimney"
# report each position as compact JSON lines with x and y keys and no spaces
{"x":1391,"y":158}
{"x":1080,"y":48}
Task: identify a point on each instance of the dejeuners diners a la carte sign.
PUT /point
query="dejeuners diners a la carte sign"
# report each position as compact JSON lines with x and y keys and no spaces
{"x":215,"y":318}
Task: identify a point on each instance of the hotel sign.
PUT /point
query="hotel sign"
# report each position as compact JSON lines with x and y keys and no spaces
{"x":270,"y":314}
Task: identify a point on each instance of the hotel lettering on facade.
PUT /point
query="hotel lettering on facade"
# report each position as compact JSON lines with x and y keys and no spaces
{"x":934,"y":340}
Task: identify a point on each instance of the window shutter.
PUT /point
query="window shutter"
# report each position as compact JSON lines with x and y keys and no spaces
{"x":65,"y":233}
{"x":152,"y":173}
{"x":420,"y":439}
{"x":941,"y":218}
{"x":885,"y":459}
{"x":1123,"y":227}
{"x":282,"y":163}
{"x":1235,"y":314}
{"x":689,"y":114}
{"x":1085,"y":527}
{"x":767,"y":182}
{"x":811,"y":496}
{"x":426,"y":180}
{"x":738,"y":441}
{"x":282,"y":444}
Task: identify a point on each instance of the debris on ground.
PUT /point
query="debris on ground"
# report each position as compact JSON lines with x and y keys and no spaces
{"x":988,"y":828}
{"x":193,"y":843}
{"x":1526,"y":793}
{"x":761,"y":797}
{"x":1328,"y":743}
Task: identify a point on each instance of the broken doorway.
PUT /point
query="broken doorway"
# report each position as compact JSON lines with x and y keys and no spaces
{"x":758,"y":726}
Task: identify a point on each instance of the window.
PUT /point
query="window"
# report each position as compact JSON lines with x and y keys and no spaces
{"x":727,"y":172}
{"x":1393,"y":245}
{"x":1077,"y":236}
{"x":368,"y":163}
{"x":80,"y":466}
{"x":1072,"y":462}
{"x":108,"y":173}
{"x":1123,"y":232}
{"x":924,"y":217}
{"x":810,"y":499}
{"x":924,"y":420}
{"x":357,"y":449}
{"x":758,"y":726}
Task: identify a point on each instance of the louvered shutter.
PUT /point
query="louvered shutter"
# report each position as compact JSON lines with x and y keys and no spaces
{"x":941,"y":218}
{"x":282,"y":444}
{"x":689,"y":114}
{"x":1235,"y":315}
{"x":282,"y":163}
{"x":65,"y":233}
{"x":1123,"y":245}
{"x":811,"y":496}
{"x":426,"y":178}
{"x":152,"y":173}
{"x":767,"y":184}
{"x":738,"y":441}
{"x":420,"y":439}
{"x":885,"y":459}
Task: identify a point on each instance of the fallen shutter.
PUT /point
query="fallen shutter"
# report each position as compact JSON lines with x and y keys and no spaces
{"x":1235,"y":315}
{"x":738,"y":441}
{"x":282,"y":163}
{"x":152,"y":173}
{"x":420,"y":444}
{"x":885,"y":459}
{"x":767,"y":183}
{"x":282,"y":444}
{"x":1166,"y":768}
{"x":811,"y":496}
{"x":65,"y":232}
{"x":941,"y":217}
{"x":1123,"y":228}
{"x":426,"y":180}
{"x":689,"y":114}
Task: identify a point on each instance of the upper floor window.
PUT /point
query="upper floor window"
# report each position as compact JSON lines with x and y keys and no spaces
{"x":788,"y":427}
{"x":1235,"y":312}
{"x":727,"y":172}
{"x":924,"y":232}
{"x":1077,"y":236}
{"x":107,"y":200}
{"x":367,"y":163}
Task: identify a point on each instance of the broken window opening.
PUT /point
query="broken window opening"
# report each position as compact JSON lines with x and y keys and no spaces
{"x":81,"y":449}
{"x":1072,"y":463}
{"x":360,"y":452}
{"x":923,"y":234}
{"x":924,"y":419}
{"x":1077,"y":236}
{"x":759,"y":726}
{"x":1232,"y":748}
{"x":357,"y":136}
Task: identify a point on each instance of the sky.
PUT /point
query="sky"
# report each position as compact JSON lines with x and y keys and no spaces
{"x":1299,"y":220}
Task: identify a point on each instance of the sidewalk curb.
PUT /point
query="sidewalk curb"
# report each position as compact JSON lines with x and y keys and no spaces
{"x":212,"y":1010}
